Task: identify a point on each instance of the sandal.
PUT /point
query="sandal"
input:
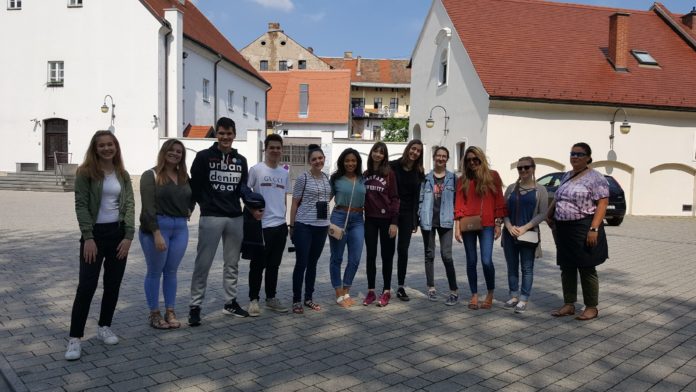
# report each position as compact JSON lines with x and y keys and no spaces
{"x":312,"y":305}
{"x":157,"y":322}
{"x":297,"y":308}
{"x":170,"y":318}
{"x":473,"y":303}
{"x":488,"y":302}
{"x":585,"y":317}
{"x":565,"y":310}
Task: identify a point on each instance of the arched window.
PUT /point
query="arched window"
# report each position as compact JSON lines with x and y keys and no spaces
{"x":442,"y":74}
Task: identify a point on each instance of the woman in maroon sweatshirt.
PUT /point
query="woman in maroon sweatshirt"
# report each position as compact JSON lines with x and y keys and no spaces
{"x":381,"y":220}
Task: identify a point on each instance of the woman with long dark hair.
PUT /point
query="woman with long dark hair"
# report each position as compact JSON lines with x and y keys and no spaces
{"x":527,"y":203}
{"x":309,"y":225}
{"x":409,"y":176}
{"x":479,"y":193}
{"x":436,"y":216}
{"x":381,"y":221}
{"x":165,"y":194}
{"x":105,"y":211}
{"x":577,"y":215}
{"x":348,"y":189}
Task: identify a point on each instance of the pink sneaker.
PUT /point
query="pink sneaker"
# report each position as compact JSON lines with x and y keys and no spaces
{"x":369,"y":298}
{"x":384,"y":299}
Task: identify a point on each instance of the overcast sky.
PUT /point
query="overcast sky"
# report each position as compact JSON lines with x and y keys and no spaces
{"x":368,"y":28}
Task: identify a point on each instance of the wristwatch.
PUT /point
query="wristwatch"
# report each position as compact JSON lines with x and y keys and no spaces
{"x":595,"y":229}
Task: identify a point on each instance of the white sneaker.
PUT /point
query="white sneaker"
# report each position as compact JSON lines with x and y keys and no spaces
{"x":254,"y":310}
{"x":74,"y":349}
{"x":106,"y":335}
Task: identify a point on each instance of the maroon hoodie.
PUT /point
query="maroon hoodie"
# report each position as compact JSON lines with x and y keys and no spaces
{"x":382,"y":197}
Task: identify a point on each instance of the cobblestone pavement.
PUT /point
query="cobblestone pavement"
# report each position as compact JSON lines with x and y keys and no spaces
{"x":644,"y":339}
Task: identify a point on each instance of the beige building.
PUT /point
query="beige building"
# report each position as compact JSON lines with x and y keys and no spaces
{"x":380,"y":89}
{"x":276,"y":51}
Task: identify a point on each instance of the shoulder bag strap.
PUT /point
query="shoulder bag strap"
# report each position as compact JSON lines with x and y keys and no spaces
{"x":345,"y":224}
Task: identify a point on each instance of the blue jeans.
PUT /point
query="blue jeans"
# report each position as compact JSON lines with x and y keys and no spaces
{"x":164,"y":264}
{"x":309,"y":242}
{"x":516,"y":255}
{"x":485,"y":239}
{"x":354,"y":238}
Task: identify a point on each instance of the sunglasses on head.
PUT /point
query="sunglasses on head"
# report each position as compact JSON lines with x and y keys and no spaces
{"x":527,"y":167}
{"x":474,"y":160}
{"x":574,"y":154}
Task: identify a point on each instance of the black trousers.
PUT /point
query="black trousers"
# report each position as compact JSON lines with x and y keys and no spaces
{"x":107,"y":237}
{"x":378,"y":229}
{"x":406,"y":226}
{"x":274,"y":239}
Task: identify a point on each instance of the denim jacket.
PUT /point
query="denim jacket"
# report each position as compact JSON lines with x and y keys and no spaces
{"x":425,"y":206}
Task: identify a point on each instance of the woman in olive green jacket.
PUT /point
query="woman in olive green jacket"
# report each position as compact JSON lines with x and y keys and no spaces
{"x":105,"y":212}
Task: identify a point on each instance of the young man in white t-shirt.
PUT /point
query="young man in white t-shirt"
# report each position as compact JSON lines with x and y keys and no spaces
{"x":270,"y":180}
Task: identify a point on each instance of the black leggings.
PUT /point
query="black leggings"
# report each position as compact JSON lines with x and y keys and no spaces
{"x":107,"y":237}
{"x":376,"y":228}
{"x":406,"y":226}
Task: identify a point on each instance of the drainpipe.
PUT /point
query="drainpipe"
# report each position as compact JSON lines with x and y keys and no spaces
{"x":166,"y":79}
{"x":215,"y":95}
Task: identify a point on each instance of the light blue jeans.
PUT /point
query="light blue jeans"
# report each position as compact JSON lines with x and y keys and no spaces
{"x":485,"y":240}
{"x":354,"y":238}
{"x":166,"y":263}
{"x":516,"y":255}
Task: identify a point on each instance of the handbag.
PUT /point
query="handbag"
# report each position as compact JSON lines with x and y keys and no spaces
{"x":471,"y":223}
{"x":531,"y":237}
{"x":334,"y":230}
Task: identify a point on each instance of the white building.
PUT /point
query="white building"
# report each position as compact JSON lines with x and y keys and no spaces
{"x":162,"y":64}
{"x":534,"y":77}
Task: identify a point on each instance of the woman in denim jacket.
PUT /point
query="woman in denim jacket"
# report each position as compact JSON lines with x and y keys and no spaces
{"x":436,"y":213}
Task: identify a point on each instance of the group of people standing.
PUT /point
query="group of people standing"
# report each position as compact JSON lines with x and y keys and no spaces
{"x":383,"y":204}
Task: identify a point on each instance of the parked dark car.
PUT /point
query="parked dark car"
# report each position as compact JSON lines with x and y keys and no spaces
{"x":617,"y":200}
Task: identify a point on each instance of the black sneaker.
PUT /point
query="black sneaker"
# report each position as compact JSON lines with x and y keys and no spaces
{"x":194,"y":316}
{"x":401,"y":294}
{"x":234,"y":309}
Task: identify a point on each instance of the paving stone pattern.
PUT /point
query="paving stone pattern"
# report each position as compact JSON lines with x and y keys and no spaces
{"x":644,"y":339}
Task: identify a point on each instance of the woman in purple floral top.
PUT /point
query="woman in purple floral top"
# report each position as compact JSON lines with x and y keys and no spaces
{"x":576,"y":215}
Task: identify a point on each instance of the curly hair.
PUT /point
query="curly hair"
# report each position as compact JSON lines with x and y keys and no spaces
{"x":341,"y":165}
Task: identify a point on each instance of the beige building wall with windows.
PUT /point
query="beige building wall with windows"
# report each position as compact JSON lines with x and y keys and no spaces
{"x":275,"y":47}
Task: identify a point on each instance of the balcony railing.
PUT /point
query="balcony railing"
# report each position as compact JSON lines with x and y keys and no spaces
{"x":361,"y":112}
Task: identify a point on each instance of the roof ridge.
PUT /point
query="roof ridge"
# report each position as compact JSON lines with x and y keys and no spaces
{"x":364,"y":58}
{"x":575,"y":5}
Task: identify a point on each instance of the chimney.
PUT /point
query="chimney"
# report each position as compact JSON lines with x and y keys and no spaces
{"x":273,"y":26}
{"x":347,"y":55}
{"x":618,"y":41}
{"x":688,"y":19}
{"x":358,"y":71}
{"x":310,"y":49}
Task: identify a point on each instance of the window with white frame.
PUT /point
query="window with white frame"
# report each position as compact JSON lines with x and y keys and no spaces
{"x":14,"y":4}
{"x":304,"y":100}
{"x":256,"y":110}
{"x":244,"y":106}
{"x":206,"y":85}
{"x":74,"y":3}
{"x":230,"y":100}
{"x":56,"y":73}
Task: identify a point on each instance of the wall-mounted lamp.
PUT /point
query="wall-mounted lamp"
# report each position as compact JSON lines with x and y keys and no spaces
{"x":430,"y":122}
{"x":105,"y":109}
{"x":624,"y":128}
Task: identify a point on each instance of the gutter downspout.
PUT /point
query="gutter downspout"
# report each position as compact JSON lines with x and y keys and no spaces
{"x":166,"y":78}
{"x":215,"y":87}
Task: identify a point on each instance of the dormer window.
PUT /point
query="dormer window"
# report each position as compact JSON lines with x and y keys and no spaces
{"x":14,"y":4}
{"x":644,"y":58}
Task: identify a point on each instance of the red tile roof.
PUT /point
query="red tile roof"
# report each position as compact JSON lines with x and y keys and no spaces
{"x":383,"y":71}
{"x":199,"y":131}
{"x":329,"y":96}
{"x":199,"y":29}
{"x":539,"y":50}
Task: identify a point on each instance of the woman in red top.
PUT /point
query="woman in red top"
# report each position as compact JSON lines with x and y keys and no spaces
{"x":479,"y":192}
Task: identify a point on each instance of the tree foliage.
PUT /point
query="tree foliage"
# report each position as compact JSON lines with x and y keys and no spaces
{"x":395,"y":129}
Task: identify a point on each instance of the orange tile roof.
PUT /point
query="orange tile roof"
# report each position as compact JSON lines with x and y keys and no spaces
{"x":385,"y":71}
{"x":199,"y":131}
{"x":329,"y":96}
{"x":539,"y":50}
{"x":199,"y":29}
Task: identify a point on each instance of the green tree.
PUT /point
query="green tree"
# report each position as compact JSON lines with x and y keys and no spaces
{"x":396,"y":129}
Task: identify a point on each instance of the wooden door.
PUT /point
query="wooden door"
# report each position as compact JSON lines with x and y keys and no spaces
{"x":55,"y":141}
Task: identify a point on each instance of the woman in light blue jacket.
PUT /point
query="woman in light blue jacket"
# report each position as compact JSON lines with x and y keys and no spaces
{"x":436,"y":214}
